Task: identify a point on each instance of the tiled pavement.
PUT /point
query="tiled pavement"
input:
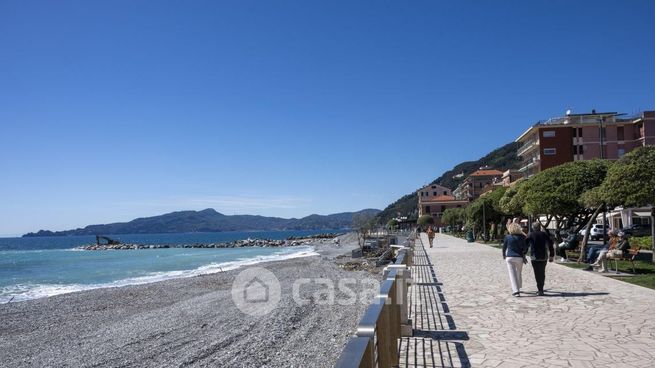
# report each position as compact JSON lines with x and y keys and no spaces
{"x":585,"y":320}
{"x":436,"y":342}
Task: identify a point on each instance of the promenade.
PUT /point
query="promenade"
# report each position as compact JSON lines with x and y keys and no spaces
{"x":585,"y":320}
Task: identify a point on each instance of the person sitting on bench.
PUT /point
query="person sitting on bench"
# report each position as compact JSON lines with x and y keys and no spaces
{"x":601,"y":261}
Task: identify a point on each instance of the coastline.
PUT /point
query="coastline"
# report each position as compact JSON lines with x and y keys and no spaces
{"x":184,"y":322}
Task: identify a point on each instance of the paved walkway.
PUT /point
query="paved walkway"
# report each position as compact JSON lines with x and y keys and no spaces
{"x":586,"y":320}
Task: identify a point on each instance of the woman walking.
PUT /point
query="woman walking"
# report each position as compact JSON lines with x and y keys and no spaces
{"x":514,"y":249}
{"x":430,"y":235}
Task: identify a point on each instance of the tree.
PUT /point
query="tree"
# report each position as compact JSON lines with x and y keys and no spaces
{"x":630,"y":182}
{"x":392,"y":224}
{"x":511,"y":203}
{"x":486,"y":210}
{"x":363,"y":222}
{"x":425,"y":220}
{"x":556,"y":193}
{"x":454,"y":217}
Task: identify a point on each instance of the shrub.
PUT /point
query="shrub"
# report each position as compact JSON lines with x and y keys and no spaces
{"x":644,"y":242}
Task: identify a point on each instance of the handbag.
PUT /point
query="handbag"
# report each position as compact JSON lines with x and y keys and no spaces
{"x":615,"y":253}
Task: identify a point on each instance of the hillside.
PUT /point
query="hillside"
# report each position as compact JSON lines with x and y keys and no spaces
{"x":209,"y":220}
{"x":502,"y":158}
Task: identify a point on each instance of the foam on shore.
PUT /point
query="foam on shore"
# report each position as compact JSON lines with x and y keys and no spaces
{"x":22,"y":292}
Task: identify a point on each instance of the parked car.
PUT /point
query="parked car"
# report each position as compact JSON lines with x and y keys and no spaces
{"x":597,"y":232}
{"x":637,"y":230}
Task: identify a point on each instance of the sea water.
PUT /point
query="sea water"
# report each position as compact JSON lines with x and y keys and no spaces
{"x":40,"y":267}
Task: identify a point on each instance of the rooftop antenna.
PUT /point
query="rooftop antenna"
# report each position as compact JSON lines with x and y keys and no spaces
{"x":568,"y":112}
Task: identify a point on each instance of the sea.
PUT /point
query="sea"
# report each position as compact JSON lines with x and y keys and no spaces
{"x":39,"y":267}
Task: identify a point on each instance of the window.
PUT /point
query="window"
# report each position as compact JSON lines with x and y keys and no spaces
{"x":575,"y":132}
{"x":621,"y":152}
{"x":549,"y":133}
{"x":575,"y":150}
{"x":445,"y":192}
{"x":459,"y":206}
{"x":434,"y":194}
{"x":443,"y":208}
{"x":620,"y":135}
{"x":550,"y":151}
{"x":581,"y":150}
{"x":434,"y":187}
{"x":427,"y":209}
{"x":580,"y":132}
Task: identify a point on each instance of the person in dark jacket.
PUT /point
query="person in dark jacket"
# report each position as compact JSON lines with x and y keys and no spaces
{"x":514,"y":250}
{"x":541,"y":252}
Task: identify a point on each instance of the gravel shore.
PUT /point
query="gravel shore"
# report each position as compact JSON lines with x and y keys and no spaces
{"x":187,"y":322}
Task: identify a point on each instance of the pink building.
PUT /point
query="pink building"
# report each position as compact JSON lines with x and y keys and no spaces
{"x":578,"y":137}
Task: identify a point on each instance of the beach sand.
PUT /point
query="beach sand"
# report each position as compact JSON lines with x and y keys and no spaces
{"x":185,"y":322}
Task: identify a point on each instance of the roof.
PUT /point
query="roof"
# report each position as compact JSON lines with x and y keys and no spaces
{"x":442,"y":198}
{"x":429,"y":186}
{"x":486,"y":173}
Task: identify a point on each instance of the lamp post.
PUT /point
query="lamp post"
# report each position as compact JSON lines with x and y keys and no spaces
{"x":602,"y":156}
{"x":484,"y":223}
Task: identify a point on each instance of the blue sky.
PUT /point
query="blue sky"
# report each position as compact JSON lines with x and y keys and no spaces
{"x":111,"y":110}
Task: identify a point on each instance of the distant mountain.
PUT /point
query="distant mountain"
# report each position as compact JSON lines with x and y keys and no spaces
{"x":211,"y":221}
{"x":502,"y":158}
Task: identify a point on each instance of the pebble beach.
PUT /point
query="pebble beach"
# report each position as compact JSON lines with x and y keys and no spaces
{"x":185,"y":322}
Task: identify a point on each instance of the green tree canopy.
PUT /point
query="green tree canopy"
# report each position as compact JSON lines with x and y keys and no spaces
{"x":630,"y":181}
{"x":392,"y":224}
{"x":425,"y":220}
{"x":486,"y":208}
{"x":560,"y":193}
{"x":510,"y":203}
{"x":557,"y":191}
{"x":454,"y":217}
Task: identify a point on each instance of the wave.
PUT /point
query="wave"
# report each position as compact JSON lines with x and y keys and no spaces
{"x":22,"y":292}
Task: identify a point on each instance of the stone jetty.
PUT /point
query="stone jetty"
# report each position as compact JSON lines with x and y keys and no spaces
{"x":264,"y":243}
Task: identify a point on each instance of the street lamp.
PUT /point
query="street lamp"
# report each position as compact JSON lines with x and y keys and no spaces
{"x":602,"y":156}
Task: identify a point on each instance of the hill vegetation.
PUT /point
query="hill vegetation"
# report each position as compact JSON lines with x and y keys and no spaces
{"x":209,"y":220}
{"x":502,"y":158}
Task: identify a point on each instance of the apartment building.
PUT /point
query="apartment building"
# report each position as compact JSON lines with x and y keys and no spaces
{"x":580,"y":137}
{"x":434,"y":199}
{"x":477,"y":183}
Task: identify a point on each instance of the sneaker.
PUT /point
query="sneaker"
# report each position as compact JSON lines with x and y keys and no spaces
{"x":563,"y":260}
{"x":541,"y":293}
{"x":603,"y":270}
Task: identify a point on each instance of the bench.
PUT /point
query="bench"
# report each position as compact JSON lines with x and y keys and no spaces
{"x":630,"y":255}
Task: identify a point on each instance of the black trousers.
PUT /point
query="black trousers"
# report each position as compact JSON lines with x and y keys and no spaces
{"x":539,"y":268}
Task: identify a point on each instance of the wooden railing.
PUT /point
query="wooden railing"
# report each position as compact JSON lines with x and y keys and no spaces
{"x":375,"y":344}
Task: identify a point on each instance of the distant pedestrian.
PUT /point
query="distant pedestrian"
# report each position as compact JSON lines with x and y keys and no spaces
{"x":541,"y":252}
{"x":430,"y":235}
{"x":514,"y":250}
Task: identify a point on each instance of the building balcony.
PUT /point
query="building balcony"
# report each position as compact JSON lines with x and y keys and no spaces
{"x":527,"y":165}
{"x":527,"y":147}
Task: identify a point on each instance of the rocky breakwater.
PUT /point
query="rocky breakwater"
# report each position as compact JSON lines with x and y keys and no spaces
{"x":265,"y":243}
{"x":315,"y":236}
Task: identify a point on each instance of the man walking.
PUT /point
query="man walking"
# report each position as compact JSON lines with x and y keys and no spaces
{"x":541,"y":252}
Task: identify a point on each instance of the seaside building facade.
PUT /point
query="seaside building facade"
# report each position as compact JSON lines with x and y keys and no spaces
{"x":477,"y":183}
{"x":434,"y":199}
{"x":576,"y":137}
{"x":588,"y":136}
